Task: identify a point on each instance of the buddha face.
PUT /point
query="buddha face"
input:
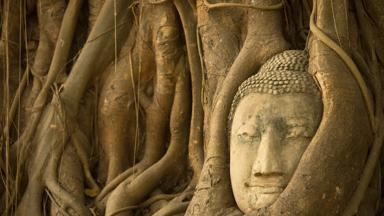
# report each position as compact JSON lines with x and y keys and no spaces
{"x":269,"y":134}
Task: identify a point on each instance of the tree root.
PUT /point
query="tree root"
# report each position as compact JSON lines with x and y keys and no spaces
{"x":177,"y":205}
{"x":127,"y":175}
{"x":16,"y":101}
{"x":117,"y":138}
{"x":128,"y":194}
{"x":169,"y":66}
{"x":54,"y":132}
{"x":68,"y":204}
{"x":146,"y":203}
{"x":172,"y":210}
{"x":376,"y":149}
{"x":59,"y":60}
{"x":157,"y":109}
{"x":50,"y":18}
{"x":79,"y":140}
{"x":50,"y":139}
{"x":232,"y":5}
{"x":11,"y":45}
{"x":94,"y":7}
{"x":214,"y":178}
{"x":340,"y":91}
{"x":50,"y":14}
{"x":195,"y":151}
{"x":97,"y":52}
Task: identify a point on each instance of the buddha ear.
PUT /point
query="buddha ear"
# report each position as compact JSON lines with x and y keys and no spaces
{"x":344,"y":135}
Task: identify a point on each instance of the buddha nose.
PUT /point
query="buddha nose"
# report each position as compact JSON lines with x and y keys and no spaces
{"x":267,"y":160}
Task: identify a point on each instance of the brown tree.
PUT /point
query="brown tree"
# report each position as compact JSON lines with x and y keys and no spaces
{"x":120,"y":107}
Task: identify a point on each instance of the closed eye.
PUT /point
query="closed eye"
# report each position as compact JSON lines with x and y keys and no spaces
{"x":247,"y":138}
{"x":296,"y":131}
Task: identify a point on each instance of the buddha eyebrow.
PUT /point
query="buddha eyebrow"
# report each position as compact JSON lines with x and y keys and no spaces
{"x":258,"y":117}
{"x":297,"y":121}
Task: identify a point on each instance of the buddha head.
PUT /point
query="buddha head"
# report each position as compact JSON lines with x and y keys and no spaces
{"x":274,"y":116}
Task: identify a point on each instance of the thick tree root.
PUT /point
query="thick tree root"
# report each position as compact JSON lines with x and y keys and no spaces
{"x":37,"y":179}
{"x":340,"y":92}
{"x":16,"y":101}
{"x":174,"y":209}
{"x":128,"y":194}
{"x":50,"y":141}
{"x":11,"y":45}
{"x":58,"y":138}
{"x":98,"y":50}
{"x":213,"y":190}
{"x":50,"y":14}
{"x":50,"y":17}
{"x":127,"y":176}
{"x":116,"y":136}
{"x":64,"y":182}
{"x":195,"y":150}
{"x":158,"y":108}
{"x":59,"y":60}
{"x":146,"y":203}
{"x":94,"y":7}
{"x":79,"y":141}
{"x":177,"y":205}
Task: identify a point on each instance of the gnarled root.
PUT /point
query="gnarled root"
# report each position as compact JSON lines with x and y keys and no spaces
{"x":173,"y":209}
{"x":195,"y":149}
{"x":59,"y":166}
{"x":127,"y":176}
{"x":157,"y":108}
{"x":11,"y":45}
{"x":343,"y":125}
{"x":50,"y":17}
{"x":117,"y":120}
{"x":58,"y":61}
{"x":81,"y":144}
{"x":128,"y":194}
{"x":50,"y":143}
{"x":118,"y":105}
{"x":153,"y":199}
{"x":264,"y":39}
{"x":65,"y":184}
{"x":51,"y":135}
{"x":50,"y":14}
{"x":177,"y":205}
{"x":94,"y":7}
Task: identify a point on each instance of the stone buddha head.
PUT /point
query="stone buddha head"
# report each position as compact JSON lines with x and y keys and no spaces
{"x":274,"y":116}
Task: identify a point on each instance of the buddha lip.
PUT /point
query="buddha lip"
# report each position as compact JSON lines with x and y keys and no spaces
{"x":264,"y":185}
{"x":266,"y":189}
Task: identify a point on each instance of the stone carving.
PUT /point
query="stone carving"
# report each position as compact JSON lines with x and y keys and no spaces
{"x":121,"y":107}
{"x":274,"y":115}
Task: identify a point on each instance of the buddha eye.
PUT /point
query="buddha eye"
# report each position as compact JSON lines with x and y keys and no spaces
{"x":296,"y":131}
{"x":248,"y":138}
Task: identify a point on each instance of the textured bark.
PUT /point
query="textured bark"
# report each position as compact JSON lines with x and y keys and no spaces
{"x":213,"y":190}
{"x":142,"y":105}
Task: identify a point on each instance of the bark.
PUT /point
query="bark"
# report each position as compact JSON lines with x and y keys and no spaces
{"x":195,"y":151}
{"x":213,"y":190}
{"x":323,"y":160}
{"x":118,"y":108}
{"x":11,"y":56}
{"x":143,"y":105}
{"x":151,"y":178}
